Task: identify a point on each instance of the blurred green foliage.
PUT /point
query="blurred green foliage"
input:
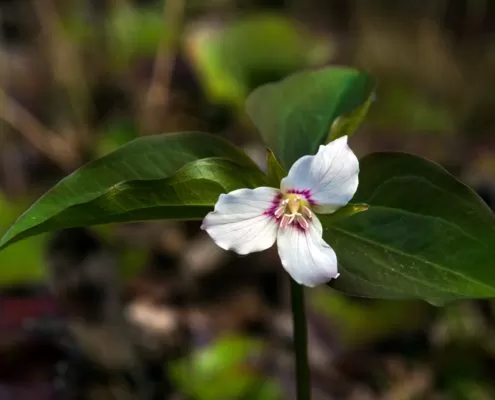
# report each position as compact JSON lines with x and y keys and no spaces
{"x":222,"y":371}
{"x":251,"y":51}
{"x":116,"y":133}
{"x":360,"y":323}
{"x":136,"y":32}
{"x":401,"y":107}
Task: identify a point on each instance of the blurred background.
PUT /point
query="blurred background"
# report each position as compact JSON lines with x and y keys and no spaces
{"x":155,"y":310}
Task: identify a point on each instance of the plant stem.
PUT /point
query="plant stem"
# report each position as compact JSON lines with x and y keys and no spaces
{"x":300,"y":341}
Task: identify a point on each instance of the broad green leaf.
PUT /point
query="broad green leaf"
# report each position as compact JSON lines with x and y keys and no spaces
{"x":189,"y":194}
{"x":294,"y":116}
{"x":127,"y":184}
{"x":425,"y":235}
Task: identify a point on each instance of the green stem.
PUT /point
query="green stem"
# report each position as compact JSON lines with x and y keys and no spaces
{"x":300,"y":341}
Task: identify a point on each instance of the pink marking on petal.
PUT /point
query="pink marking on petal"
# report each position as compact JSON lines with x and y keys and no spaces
{"x":279,"y":211}
{"x":306,"y":193}
{"x":274,"y":206}
{"x":298,"y":227}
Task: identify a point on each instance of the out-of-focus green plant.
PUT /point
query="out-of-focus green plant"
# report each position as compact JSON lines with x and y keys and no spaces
{"x":222,"y":371}
{"x":257,"y":49}
{"x":405,"y":108}
{"x":116,"y":133}
{"x":136,"y":32}
{"x":360,"y":324}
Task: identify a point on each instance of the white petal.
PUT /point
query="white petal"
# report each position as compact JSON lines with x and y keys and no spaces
{"x":308,"y":259}
{"x":330,"y":177}
{"x":239,"y":221}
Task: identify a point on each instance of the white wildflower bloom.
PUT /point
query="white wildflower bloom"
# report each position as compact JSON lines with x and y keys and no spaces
{"x":250,"y":220}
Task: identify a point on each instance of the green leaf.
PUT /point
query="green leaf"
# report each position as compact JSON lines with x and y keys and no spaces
{"x":348,"y":124}
{"x":347,"y":211}
{"x":149,"y":178}
{"x":425,"y":235}
{"x":294,"y":116}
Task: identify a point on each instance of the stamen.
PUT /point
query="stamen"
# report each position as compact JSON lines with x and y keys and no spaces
{"x":307,"y":212}
{"x":303,"y":223}
{"x":286,"y":220}
{"x":279,"y":211}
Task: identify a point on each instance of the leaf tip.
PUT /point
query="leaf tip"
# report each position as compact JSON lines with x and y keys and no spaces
{"x":360,"y":207}
{"x":6,"y":239}
{"x":3,"y":242}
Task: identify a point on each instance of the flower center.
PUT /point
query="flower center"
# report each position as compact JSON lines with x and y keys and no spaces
{"x":293,"y":209}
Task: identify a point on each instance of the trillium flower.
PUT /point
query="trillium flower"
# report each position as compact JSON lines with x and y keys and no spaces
{"x":251,"y":220}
